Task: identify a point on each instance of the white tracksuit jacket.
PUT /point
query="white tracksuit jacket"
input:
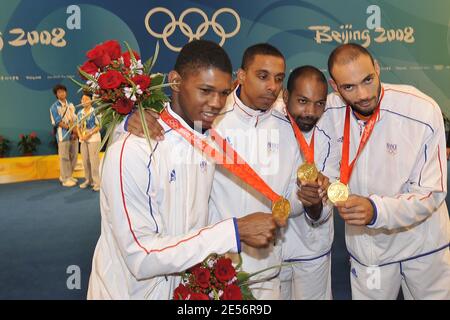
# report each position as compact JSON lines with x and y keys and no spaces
{"x":306,"y":239}
{"x":403,"y":170}
{"x":266,"y":141}
{"x":154,"y":217}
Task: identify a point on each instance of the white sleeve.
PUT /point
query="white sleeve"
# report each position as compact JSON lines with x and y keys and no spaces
{"x":135,"y":219}
{"x":426,"y":188}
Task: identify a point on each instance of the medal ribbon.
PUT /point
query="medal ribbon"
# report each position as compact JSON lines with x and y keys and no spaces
{"x":227,"y":157}
{"x":307,"y":150}
{"x":346,"y":168}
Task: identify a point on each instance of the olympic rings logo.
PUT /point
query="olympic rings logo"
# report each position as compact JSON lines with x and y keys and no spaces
{"x":202,"y":29}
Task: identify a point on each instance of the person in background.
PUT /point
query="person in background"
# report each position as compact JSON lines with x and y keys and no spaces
{"x":89,"y":136}
{"x":62,"y":115}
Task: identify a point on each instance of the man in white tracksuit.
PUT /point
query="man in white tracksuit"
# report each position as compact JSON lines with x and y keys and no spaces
{"x":307,"y":241}
{"x":397,"y":223}
{"x":154,"y":204}
{"x":264,"y":138}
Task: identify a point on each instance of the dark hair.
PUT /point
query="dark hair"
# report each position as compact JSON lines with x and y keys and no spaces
{"x":264,"y":49}
{"x":59,"y":87}
{"x":346,"y":53}
{"x":87,"y":93}
{"x":303,"y":71}
{"x":202,"y":54}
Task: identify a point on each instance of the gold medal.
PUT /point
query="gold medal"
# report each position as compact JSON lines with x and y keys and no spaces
{"x":281,"y":209}
{"x":337,"y":191}
{"x":307,"y":172}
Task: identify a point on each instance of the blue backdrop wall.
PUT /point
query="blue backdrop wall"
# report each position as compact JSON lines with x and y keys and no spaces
{"x":42,"y":42}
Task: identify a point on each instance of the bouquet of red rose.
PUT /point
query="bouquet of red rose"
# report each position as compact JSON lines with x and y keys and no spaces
{"x":120,"y":83}
{"x":214,"y":279}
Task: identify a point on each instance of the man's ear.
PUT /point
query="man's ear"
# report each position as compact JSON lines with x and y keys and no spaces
{"x":174,"y":80}
{"x":285,"y":97}
{"x":377,"y":67}
{"x":333,"y":85}
{"x":241,"y":75}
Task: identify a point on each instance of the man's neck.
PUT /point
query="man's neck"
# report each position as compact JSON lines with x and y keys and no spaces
{"x":175,"y":105}
{"x":243,"y":97}
{"x":362,"y":117}
{"x":306,"y":132}
{"x":63,"y":101}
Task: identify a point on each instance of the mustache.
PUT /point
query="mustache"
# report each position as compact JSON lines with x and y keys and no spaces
{"x":365,"y":100}
{"x":269,"y":96}
{"x":307,"y":119}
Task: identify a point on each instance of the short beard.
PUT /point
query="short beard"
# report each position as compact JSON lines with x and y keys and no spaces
{"x":364,"y":113}
{"x":305,"y":127}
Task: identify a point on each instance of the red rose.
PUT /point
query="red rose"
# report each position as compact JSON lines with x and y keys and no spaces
{"x":111,"y":79}
{"x":224,"y":270}
{"x":123,"y":106}
{"x":198,"y":296}
{"x":33,"y":135}
{"x":112,"y":48}
{"x":99,"y":56}
{"x":232,"y":292}
{"x":142,"y":80}
{"x":202,"y":276}
{"x":21,"y":136}
{"x":181,"y":292}
{"x":89,"y":67}
{"x":127,"y":58}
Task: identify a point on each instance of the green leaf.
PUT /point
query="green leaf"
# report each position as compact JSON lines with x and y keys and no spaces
{"x":155,"y":56}
{"x":160,"y":86}
{"x":239,"y":265}
{"x":147,"y":65}
{"x":111,"y":126}
{"x":156,"y":101}
{"x":108,"y":136}
{"x":242,"y":276}
{"x":158,"y":79}
{"x":87,"y":75}
{"x":106,"y":118}
{"x":215,"y":294}
{"x":132,"y":57}
{"x":144,"y":126}
{"x":247,"y":293}
{"x":82,"y":85}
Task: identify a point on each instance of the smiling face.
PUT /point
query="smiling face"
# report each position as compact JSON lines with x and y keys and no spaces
{"x":200,"y":95}
{"x":261,"y":81}
{"x":61,"y":94}
{"x":86,"y":101}
{"x":358,"y":82}
{"x":306,"y":101}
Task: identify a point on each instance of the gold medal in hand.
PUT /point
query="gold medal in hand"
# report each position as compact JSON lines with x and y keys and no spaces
{"x":337,"y":191}
{"x":281,"y":209}
{"x":307,"y":172}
